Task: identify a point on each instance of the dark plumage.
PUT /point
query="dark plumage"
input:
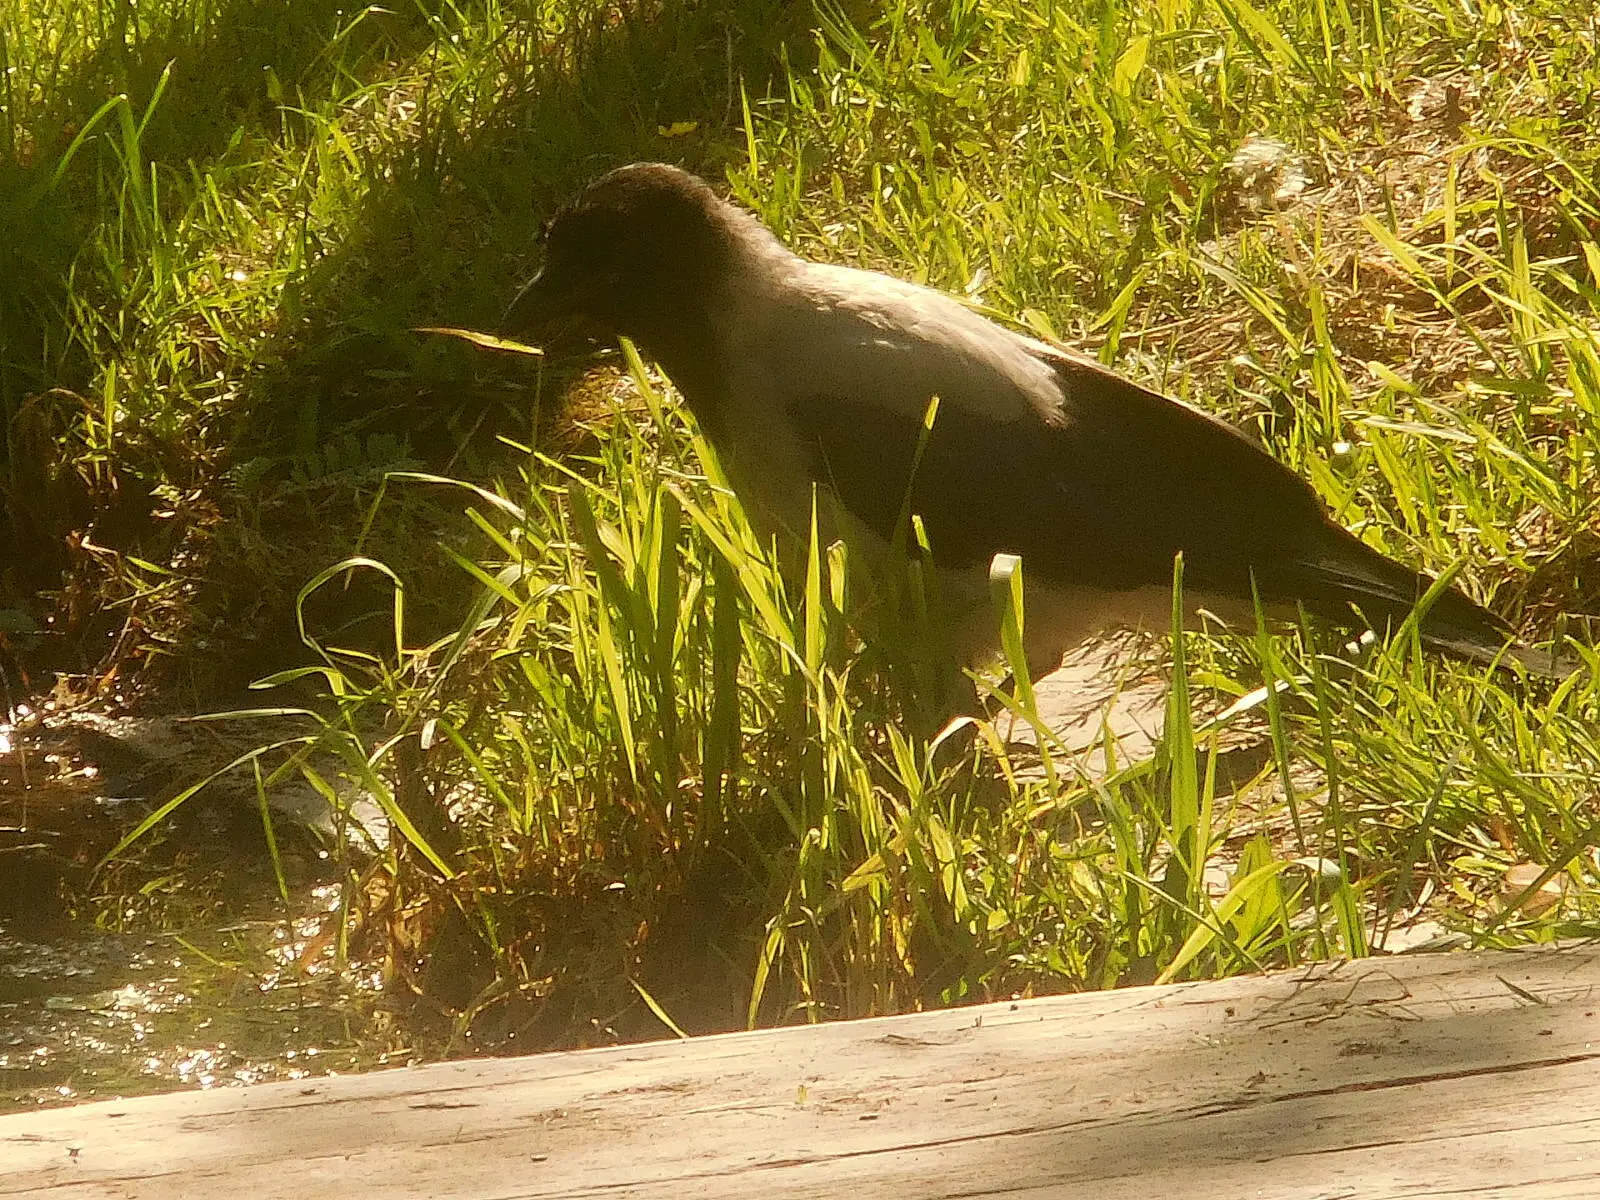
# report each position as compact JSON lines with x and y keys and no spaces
{"x":802,"y":373}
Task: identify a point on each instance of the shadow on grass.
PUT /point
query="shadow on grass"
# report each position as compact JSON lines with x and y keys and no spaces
{"x":342,"y":388}
{"x":199,"y":82}
{"x":199,"y":85}
{"x":450,"y":233}
{"x":445,"y":237}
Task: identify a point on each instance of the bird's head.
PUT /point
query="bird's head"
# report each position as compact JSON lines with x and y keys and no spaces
{"x":629,"y":253}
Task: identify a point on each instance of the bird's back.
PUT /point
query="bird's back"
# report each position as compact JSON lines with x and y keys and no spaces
{"x":1096,"y":482}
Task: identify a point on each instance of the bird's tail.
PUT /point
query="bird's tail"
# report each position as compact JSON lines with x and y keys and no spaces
{"x":1344,"y":573}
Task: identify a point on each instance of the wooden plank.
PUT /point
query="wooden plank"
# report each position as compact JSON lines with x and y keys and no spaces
{"x":1446,"y":1075}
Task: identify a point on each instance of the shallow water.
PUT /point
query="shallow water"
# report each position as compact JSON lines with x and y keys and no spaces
{"x":184,"y":969}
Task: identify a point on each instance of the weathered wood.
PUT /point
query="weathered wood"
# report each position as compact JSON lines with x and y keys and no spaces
{"x":1448,"y":1075}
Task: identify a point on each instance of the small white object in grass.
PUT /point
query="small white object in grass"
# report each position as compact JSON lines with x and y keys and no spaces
{"x":1342,"y":449}
{"x":239,"y":276}
{"x":1519,"y":878}
{"x":1002,"y":567}
{"x":1267,"y":172}
{"x":1325,"y":867}
{"x":1413,"y":936}
{"x":1357,"y":647}
{"x":1218,"y":879}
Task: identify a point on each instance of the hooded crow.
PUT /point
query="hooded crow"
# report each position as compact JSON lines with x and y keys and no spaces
{"x":811,"y":379}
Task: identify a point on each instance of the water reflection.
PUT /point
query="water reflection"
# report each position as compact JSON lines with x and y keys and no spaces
{"x":93,"y":1015}
{"x":185,"y":970}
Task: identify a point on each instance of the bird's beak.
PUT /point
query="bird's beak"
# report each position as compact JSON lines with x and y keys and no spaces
{"x":534,"y":306}
{"x":549,"y":312}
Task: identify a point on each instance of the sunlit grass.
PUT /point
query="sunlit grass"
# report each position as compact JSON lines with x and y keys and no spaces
{"x":627,"y":767}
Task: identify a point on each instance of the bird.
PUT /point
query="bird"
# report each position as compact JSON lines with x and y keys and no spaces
{"x":814,"y":379}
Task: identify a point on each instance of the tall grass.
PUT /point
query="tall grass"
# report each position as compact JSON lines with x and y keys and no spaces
{"x":633,"y":775}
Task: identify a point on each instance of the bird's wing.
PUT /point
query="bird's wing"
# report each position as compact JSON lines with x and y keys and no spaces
{"x":1103,"y":491}
{"x":1100,"y":483}
{"x":1272,"y":527}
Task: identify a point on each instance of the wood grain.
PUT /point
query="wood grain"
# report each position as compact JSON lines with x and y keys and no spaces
{"x":1437,"y":1076}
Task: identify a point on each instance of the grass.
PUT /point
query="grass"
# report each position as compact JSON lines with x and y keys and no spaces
{"x":635,"y":781}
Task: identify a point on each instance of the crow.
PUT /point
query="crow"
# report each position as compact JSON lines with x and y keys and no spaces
{"x":815,"y":379}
